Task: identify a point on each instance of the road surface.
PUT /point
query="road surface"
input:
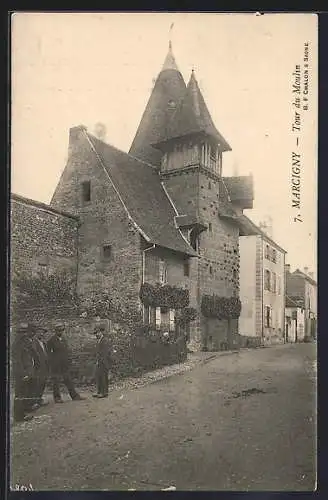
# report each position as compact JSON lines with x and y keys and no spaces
{"x":243,"y":421}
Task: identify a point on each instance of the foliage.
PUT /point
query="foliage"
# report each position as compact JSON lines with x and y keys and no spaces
{"x":106,"y":305}
{"x":168,"y":296}
{"x":186,"y":316}
{"x":52,"y":290}
{"x":214,"y":306}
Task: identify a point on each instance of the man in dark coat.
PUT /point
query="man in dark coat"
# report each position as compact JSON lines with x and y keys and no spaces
{"x":103,"y":361}
{"x":60,"y":364}
{"x":23,"y":364}
{"x":41,"y":369}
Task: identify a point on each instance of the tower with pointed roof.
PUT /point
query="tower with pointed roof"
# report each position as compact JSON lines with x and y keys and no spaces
{"x":168,"y":90}
{"x":178,"y":125}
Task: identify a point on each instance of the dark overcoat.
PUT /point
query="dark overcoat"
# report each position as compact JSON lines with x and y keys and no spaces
{"x":58,"y":355}
{"x":103,"y":353}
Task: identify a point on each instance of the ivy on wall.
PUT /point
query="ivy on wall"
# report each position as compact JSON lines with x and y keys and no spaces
{"x":186,"y":316}
{"x":213,"y":306}
{"x":107,"y":305}
{"x":167,"y":296}
{"x":52,"y":290}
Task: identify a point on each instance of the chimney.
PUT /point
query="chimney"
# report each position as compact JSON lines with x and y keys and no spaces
{"x":100,"y":131}
{"x":287,"y":268}
{"x":306,"y":269}
{"x":75,"y":135}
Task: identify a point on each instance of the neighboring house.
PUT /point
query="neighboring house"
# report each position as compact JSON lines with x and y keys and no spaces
{"x":302,"y":290}
{"x":163,"y":213}
{"x":262,"y":285}
{"x":295,"y":320}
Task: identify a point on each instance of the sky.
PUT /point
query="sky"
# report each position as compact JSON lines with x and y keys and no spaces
{"x":70,"y":69}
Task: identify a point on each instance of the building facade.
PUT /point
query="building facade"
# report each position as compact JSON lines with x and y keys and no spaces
{"x":262,"y":286}
{"x":301,"y":303}
{"x":163,"y":214}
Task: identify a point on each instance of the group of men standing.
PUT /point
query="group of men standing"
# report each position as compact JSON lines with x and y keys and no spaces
{"x":35,"y":360}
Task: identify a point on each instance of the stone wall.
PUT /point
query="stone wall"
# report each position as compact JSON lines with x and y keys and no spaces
{"x":41,"y":237}
{"x":196,"y":193}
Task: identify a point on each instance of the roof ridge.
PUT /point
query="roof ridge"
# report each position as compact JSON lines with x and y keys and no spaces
{"x":121,"y":151}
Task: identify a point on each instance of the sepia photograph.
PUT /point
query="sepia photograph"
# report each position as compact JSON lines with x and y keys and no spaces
{"x":163,"y":251}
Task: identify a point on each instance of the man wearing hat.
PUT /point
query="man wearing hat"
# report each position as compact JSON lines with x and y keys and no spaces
{"x":24,"y":361}
{"x":60,"y":364}
{"x":103,"y":360}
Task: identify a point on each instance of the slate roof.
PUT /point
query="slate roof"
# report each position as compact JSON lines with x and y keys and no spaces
{"x":168,"y":90}
{"x":139,"y":186}
{"x":240,"y":187}
{"x":193,"y":117}
{"x":298,"y":272}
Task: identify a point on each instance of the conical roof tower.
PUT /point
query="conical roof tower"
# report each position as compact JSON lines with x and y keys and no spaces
{"x":193,"y":117}
{"x":166,"y":95}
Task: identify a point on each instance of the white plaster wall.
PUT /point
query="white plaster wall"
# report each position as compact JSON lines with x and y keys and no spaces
{"x":247,"y":320}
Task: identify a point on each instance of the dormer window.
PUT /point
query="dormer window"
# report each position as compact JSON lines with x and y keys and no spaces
{"x":172,"y":104}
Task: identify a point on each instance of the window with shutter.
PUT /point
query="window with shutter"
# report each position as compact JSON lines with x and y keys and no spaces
{"x":268,"y":316}
{"x":158,"y":317}
{"x":172,"y":319}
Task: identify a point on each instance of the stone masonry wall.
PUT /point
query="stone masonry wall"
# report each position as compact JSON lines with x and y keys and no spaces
{"x":217,"y":269}
{"x":41,"y":238}
{"x":103,"y":222}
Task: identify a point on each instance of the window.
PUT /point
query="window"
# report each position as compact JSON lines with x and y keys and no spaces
{"x":211,"y":270}
{"x":274,"y":255}
{"x":267,"y":279}
{"x":234,"y":274}
{"x":162,"y":272}
{"x":158,"y":317}
{"x":279,"y":285}
{"x":107,"y":252}
{"x":86,"y":191}
{"x":209,"y":185}
{"x":268,"y":316}
{"x":274,"y":283}
{"x":267,"y":252}
{"x":210,"y":227}
{"x":186,"y":268}
{"x":172,"y":319}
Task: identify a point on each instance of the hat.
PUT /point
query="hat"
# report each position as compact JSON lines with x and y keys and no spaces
{"x":59,"y":326}
{"x":25,"y":328}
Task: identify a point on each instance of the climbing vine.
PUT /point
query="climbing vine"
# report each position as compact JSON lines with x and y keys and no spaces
{"x":168,"y":296}
{"x":214,"y":306}
{"x":52,"y":290}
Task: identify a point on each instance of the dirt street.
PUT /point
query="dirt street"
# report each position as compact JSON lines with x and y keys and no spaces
{"x":244,"y":421}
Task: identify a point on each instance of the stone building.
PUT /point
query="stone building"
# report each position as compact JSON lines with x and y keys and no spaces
{"x":262,"y":285}
{"x":161,"y":214}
